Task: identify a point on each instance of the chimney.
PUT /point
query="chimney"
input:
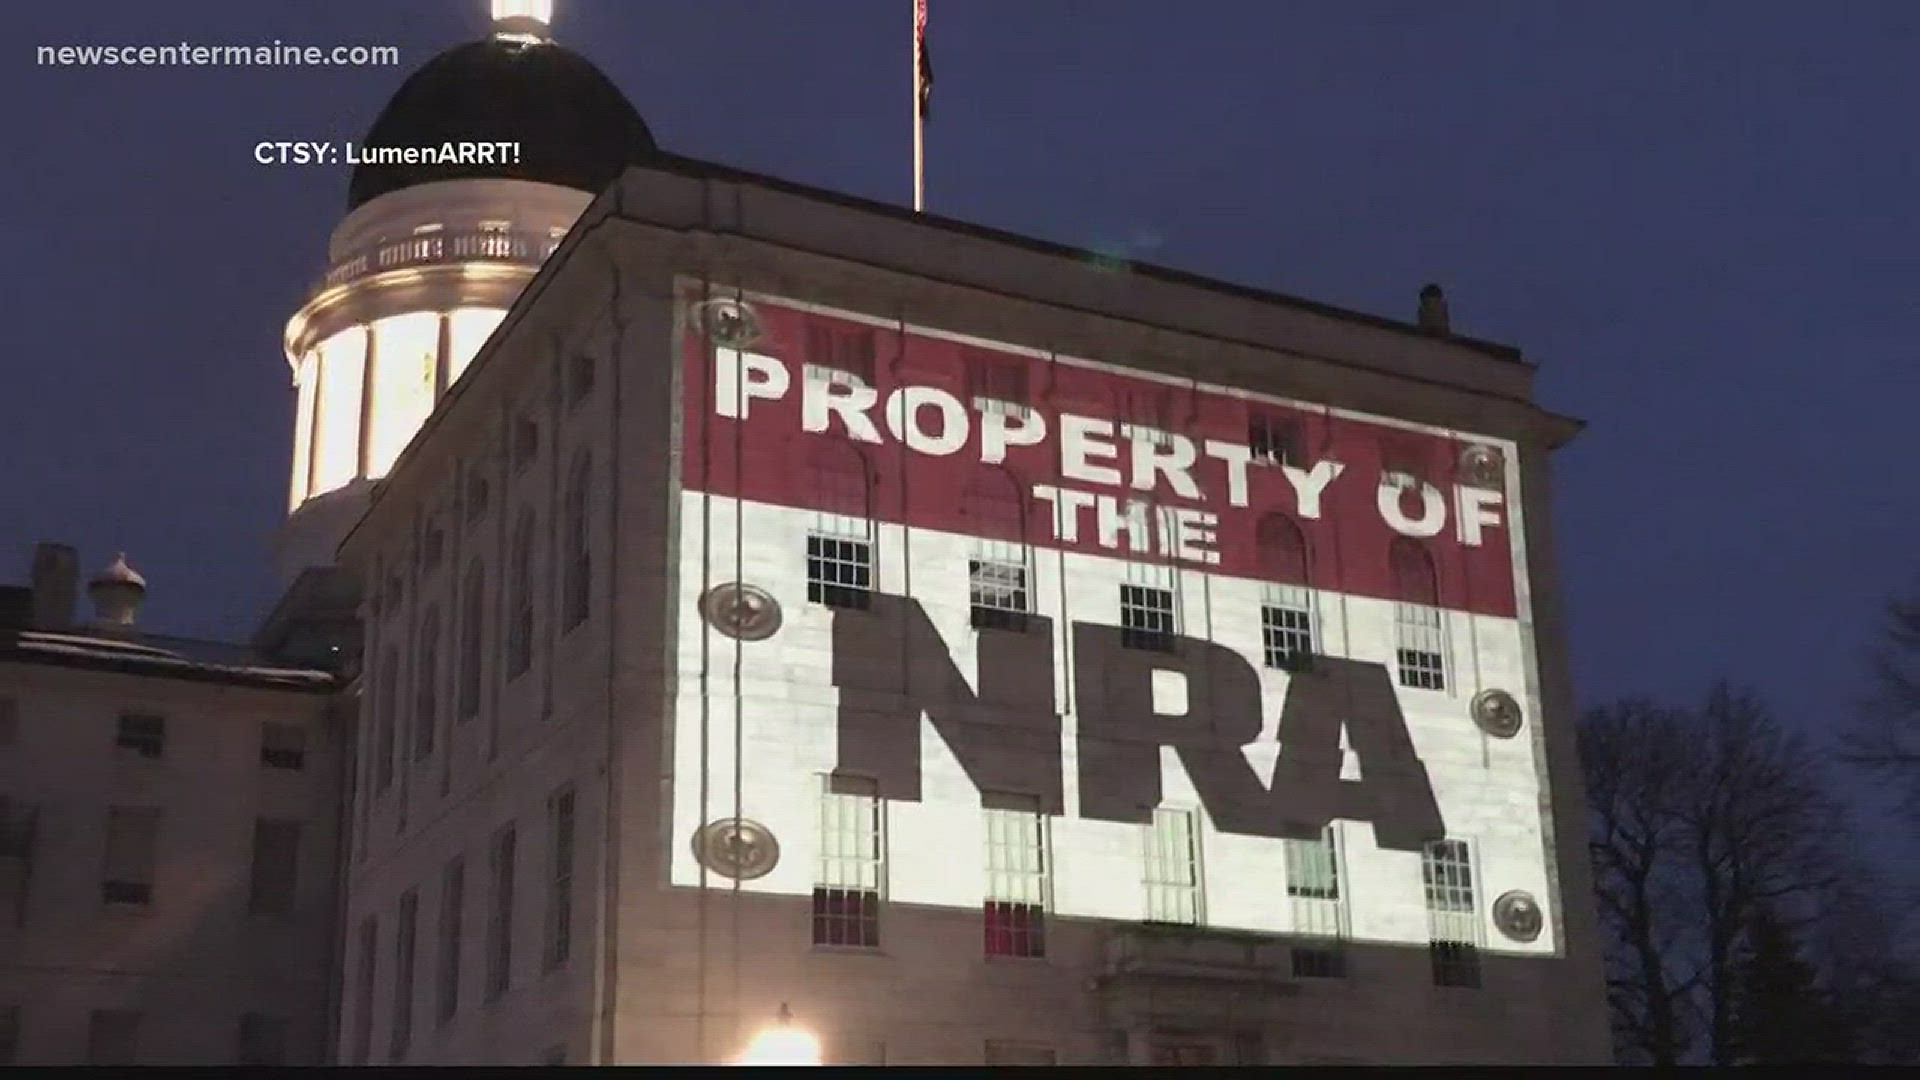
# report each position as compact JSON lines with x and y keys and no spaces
{"x":117,"y":592}
{"x":56,"y":580}
{"x":1433,"y":311}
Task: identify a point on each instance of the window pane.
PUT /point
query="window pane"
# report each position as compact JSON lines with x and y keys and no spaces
{"x":132,"y":836}
{"x":276,"y":862}
{"x":283,"y":746}
{"x":142,"y":734}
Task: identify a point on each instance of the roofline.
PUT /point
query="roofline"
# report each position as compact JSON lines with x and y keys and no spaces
{"x":695,"y":167}
{"x":11,"y":652}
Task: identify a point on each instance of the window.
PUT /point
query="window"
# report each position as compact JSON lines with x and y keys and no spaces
{"x":500,"y":925}
{"x":520,"y":591}
{"x":143,"y":734}
{"x":453,"y":888}
{"x":476,"y":495}
{"x":1420,"y":643}
{"x":1453,"y":922}
{"x":262,"y":1040}
{"x":1281,"y":550}
{"x":1419,"y":634}
{"x":578,"y":570}
{"x":9,"y":723}
{"x":998,"y":384}
{"x":401,"y":1037}
{"x":843,"y":492}
{"x":999,"y":594}
{"x":1173,"y":868}
{"x":559,"y":943}
{"x":1404,"y":456}
{"x":839,"y":572}
{"x":1165,"y":1051}
{"x":473,"y":612}
{"x":363,"y":1015}
{"x":1286,"y":610}
{"x":995,"y":512}
{"x":1319,"y":912}
{"x":1146,"y":618}
{"x":388,"y":676}
{"x":1018,"y":1053}
{"x":837,"y":351}
{"x":133,"y":832}
{"x":1286,"y":632}
{"x":276,"y":867}
{"x":283,"y":746}
{"x":580,"y":376}
{"x":1146,"y":415}
{"x":113,"y":1037}
{"x":17,"y":824}
{"x":9,"y":1033}
{"x":1274,"y":439}
{"x":853,"y":871}
{"x":526,"y":442}
{"x":426,"y":673}
{"x":433,"y":547}
{"x":1019,"y":885}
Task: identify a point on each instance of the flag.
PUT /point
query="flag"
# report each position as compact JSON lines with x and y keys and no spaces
{"x":924,"y":72}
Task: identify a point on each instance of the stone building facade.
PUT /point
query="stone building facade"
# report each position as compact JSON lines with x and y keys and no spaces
{"x":677,"y":718}
{"x":169,"y":885}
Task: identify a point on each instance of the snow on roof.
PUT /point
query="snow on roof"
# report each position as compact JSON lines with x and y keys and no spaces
{"x":157,"y":655}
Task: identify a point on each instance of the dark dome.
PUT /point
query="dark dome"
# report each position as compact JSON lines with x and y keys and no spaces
{"x":573,"y":125}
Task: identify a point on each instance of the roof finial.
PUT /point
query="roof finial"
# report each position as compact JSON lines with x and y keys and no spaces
{"x":523,"y":20}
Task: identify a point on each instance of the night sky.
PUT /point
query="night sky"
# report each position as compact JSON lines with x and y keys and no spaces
{"x":1700,"y":220}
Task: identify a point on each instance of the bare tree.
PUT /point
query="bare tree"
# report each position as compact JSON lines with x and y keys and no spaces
{"x":1701,"y":819}
{"x":1635,"y":757}
{"x":1764,"y":834}
{"x":1886,"y":741}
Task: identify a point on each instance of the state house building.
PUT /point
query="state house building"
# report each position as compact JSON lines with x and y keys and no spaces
{"x":784,"y":613}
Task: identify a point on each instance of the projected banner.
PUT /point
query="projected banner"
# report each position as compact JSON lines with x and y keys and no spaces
{"x":830,"y":453}
{"x":998,"y":443}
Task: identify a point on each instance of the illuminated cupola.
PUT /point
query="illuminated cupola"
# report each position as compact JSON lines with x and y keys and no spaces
{"x":430,"y":256}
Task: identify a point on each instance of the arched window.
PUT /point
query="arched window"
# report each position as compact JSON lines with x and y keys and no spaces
{"x":520,"y":598}
{"x":577,"y":569}
{"x":1419,"y":626}
{"x":473,"y":610}
{"x":843,"y":489}
{"x":425,"y":696}
{"x":1286,"y":606}
{"x":1281,"y":550}
{"x":1414,"y":579}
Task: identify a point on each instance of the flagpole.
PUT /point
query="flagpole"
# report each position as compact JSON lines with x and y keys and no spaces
{"x":919,"y":121}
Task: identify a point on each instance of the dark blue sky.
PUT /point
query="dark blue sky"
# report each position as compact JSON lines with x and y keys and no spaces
{"x":1699,"y":219}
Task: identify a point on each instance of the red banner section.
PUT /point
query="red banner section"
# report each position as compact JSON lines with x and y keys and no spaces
{"x":838,"y":416}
